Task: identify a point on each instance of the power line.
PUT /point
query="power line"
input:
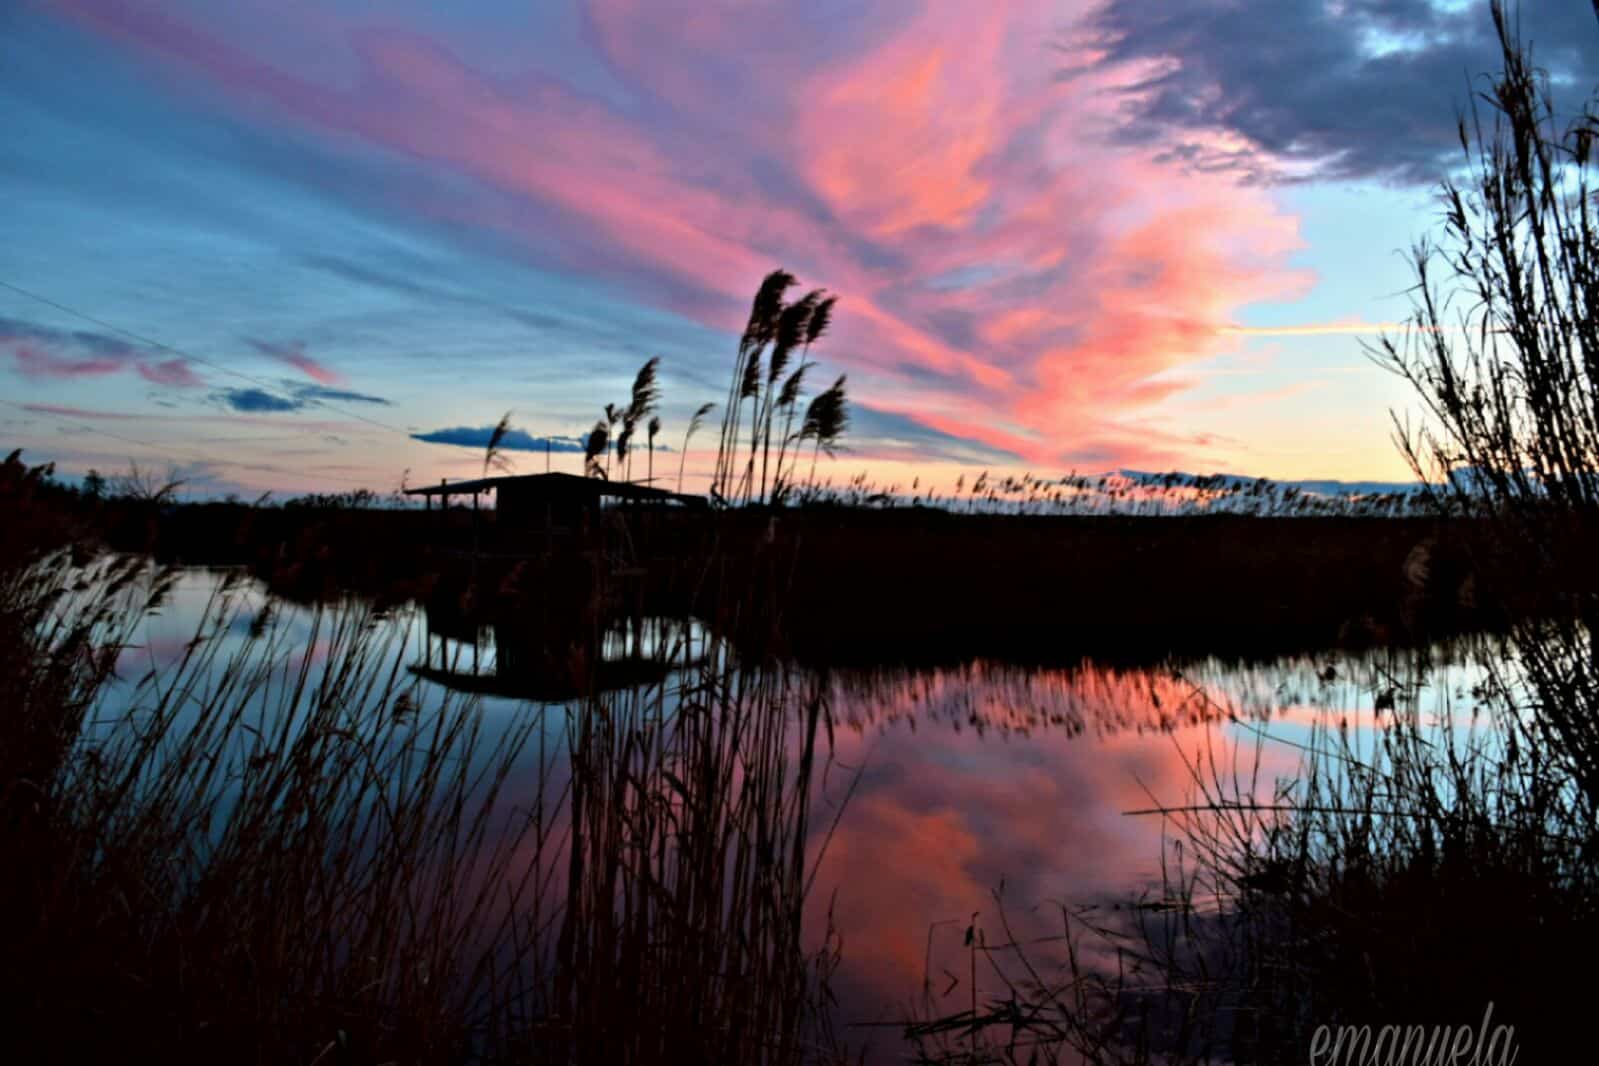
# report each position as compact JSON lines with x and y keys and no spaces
{"x":150,"y":342}
{"x":162,"y":449}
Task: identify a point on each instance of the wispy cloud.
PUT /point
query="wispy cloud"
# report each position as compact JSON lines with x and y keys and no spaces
{"x":21,"y":331}
{"x":294,"y":354}
{"x":1319,"y":329}
{"x":36,"y":361}
{"x":312,"y":393}
{"x":66,"y":411}
{"x":514,"y":440}
{"x":44,"y":353}
{"x":228,"y":422}
{"x":175,"y":372}
{"x":1341,"y":329}
{"x":897,"y":435}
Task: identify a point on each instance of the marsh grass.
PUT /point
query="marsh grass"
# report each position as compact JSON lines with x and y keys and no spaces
{"x":1127,"y":494}
{"x":1424,"y":859}
{"x":1413,"y":872}
{"x":281,"y":848}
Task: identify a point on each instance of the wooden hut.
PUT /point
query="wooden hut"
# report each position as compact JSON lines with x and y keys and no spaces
{"x":548,"y":504}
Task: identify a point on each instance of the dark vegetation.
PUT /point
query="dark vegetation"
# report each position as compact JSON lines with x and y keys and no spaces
{"x":1022,"y":588}
{"x":283,"y":854}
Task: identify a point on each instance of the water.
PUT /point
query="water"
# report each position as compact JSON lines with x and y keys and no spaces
{"x":976,"y":797}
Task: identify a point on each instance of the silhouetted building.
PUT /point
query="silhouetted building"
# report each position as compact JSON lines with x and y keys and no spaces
{"x":550,"y":503}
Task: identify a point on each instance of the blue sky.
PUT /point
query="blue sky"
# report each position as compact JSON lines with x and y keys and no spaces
{"x":276,"y":243}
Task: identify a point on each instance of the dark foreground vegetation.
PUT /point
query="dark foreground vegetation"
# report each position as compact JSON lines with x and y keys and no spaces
{"x":284,"y":856}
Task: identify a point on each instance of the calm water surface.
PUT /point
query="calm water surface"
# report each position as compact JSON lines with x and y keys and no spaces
{"x":960,"y":781}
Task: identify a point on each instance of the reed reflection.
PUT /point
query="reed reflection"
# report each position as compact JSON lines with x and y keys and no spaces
{"x":927,"y":798}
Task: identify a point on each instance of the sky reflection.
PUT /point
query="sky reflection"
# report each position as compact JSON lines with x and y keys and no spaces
{"x":958,"y":782}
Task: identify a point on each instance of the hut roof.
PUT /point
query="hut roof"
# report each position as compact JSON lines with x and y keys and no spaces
{"x":559,"y":486}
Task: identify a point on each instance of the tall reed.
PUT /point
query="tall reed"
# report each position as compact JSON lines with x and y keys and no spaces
{"x":272,"y":843}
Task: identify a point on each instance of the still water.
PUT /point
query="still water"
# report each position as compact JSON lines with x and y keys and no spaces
{"x":976,"y":796}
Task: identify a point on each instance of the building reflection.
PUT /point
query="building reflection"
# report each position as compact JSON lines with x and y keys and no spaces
{"x":521,"y":660}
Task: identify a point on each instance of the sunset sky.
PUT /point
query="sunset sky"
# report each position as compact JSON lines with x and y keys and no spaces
{"x":277,"y":241}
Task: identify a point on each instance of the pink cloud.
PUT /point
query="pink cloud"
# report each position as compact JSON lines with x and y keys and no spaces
{"x":294,"y":355}
{"x":35,"y":361}
{"x":80,"y":412}
{"x":43,"y":359}
{"x":174,"y":372}
{"x":877,"y":156}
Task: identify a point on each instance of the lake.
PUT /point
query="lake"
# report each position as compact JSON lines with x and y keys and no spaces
{"x":973,"y":801}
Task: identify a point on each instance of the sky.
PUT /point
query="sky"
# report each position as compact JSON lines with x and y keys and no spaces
{"x":325,"y":244}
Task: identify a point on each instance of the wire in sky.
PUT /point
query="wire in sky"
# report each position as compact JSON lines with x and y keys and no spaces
{"x":171,"y":456}
{"x":152,"y":343}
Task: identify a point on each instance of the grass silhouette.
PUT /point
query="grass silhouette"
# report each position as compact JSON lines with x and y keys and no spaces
{"x":291,"y":852}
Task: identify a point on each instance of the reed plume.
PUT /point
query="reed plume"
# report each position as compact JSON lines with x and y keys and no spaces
{"x":494,"y":454}
{"x":597,"y":445}
{"x":645,"y":398}
{"x":693,"y":425}
{"x":793,"y":329}
{"x":654,"y":431}
{"x":826,"y":419}
{"x":613,"y":415}
{"x":758,"y":330}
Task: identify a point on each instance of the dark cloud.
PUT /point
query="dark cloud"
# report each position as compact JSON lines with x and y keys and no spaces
{"x":1325,"y":88}
{"x":296,"y":396}
{"x":311,"y":393}
{"x":887,"y":433}
{"x":515,"y":440}
{"x":257,"y":400}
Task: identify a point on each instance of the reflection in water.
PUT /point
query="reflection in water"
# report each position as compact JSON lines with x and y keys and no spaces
{"x":991,"y":778}
{"x":519,"y":663}
{"x":960,"y":783}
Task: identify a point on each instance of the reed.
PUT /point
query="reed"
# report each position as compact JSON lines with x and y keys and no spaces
{"x":286,"y":848}
{"x":1421,"y":861}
